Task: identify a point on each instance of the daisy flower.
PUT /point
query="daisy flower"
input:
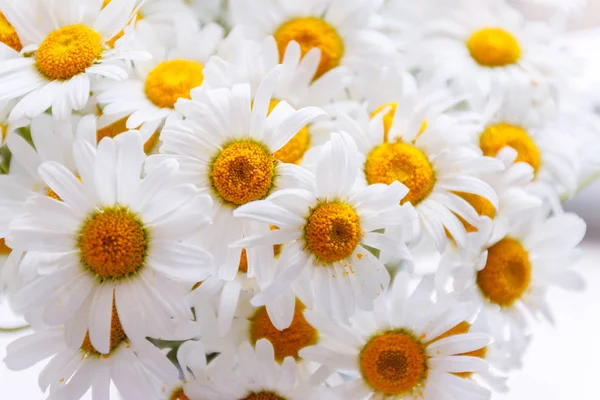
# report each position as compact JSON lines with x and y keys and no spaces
{"x":226,"y":146}
{"x":340,"y":29}
{"x":109,"y":234}
{"x":135,"y":368}
{"x":258,"y":376}
{"x":481,"y":48}
{"x":150,"y":94}
{"x":392,"y":353}
{"x":245,"y":60}
{"x":329,"y":230}
{"x":69,"y":45}
{"x":509,"y":268}
{"x":425,"y":149}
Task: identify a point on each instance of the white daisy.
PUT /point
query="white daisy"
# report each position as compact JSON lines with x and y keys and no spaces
{"x":421,"y":146}
{"x":69,"y":44}
{"x":508,"y":269}
{"x":150,"y":94}
{"x":257,"y":376}
{"x":392,"y":353}
{"x":226,"y":146}
{"x":135,"y":368}
{"x":478,"y":48}
{"x":327,"y":228}
{"x":111,"y":235}
{"x":340,"y":29}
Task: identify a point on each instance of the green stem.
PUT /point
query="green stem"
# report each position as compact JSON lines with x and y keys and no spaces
{"x":14,"y":329}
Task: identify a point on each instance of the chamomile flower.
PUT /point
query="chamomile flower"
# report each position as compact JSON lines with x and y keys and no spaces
{"x":69,"y":45}
{"x":509,"y":268}
{"x":258,"y":376}
{"x":108,"y":234}
{"x":340,"y":29}
{"x":249,"y":61}
{"x":226,"y":146}
{"x":149,"y":96}
{"x":327,"y":229}
{"x":135,"y":368}
{"x":479,"y":49}
{"x":425,"y":149}
{"x":394,"y":352}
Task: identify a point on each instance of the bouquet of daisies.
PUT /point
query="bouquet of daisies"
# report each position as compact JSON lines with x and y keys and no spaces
{"x":285,"y":199}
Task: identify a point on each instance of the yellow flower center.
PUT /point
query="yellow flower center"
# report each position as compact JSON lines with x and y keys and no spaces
{"x":495,"y":137}
{"x":333,"y":231}
{"x":116,"y":128}
{"x":68,"y":51}
{"x":287,"y":342}
{"x":462,"y":328}
{"x":494,"y":47}
{"x":294,"y":150}
{"x":179,"y":395}
{"x":8,"y":34}
{"x":312,"y":32}
{"x":263,"y":395}
{"x":482,"y":205}
{"x":242,"y":172}
{"x":4,"y":249}
{"x":111,"y":42}
{"x":117,"y":335}
{"x":393,"y":363}
{"x":401,"y":162}
{"x":113,"y":243}
{"x":507,"y":273}
{"x":172,"y":80}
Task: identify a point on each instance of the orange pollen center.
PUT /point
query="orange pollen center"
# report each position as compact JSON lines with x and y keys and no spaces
{"x":494,"y":47}
{"x":294,"y":150}
{"x":172,"y":80}
{"x":113,"y":243}
{"x":116,"y":128}
{"x":401,"y":162}
{"x":4,"y":249}
{"x":8,"y":34}
{"x":496,"y":137}
{"x":243,"y":266}
{"x":482,"y":205}
{"x":117,"y":335}
{"x":312,"y":32}
{"x":242,"y":172}
{"x":393,"y":363}
{"x":179,"y":395}
{"x":287,"y":342}
{"x":263,"y":395}
{"x":333,"y":231}
{"x":68,"y":51}
{"x":507,"y":273}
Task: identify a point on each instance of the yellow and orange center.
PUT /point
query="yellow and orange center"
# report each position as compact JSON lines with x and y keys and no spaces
{"x":507,"y":273}
{"x":333,"y":231}
{"x":179,"y":395}
{"x":482,"y":205}
{"x":113,"y":243}
{"x":494,"y":47}
{"x":4,"y":249}
{"x":68,"y":51}
{"x":288,"y":342}
{"x":8,"y":34}
{"x":172,"y":80}
{"x":495,"y":137}
{"x":393,"y":363}
{"x":111,"y":42}
{"x":263,"y":395}
{"x":312,"y":32}
{"x":294,"y":150}
{"x":401,"y":162}
{"x":462,"y":328}
{"x":116,"y":128}
{"x":242,"y":172}
{"x":117,"y":335}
